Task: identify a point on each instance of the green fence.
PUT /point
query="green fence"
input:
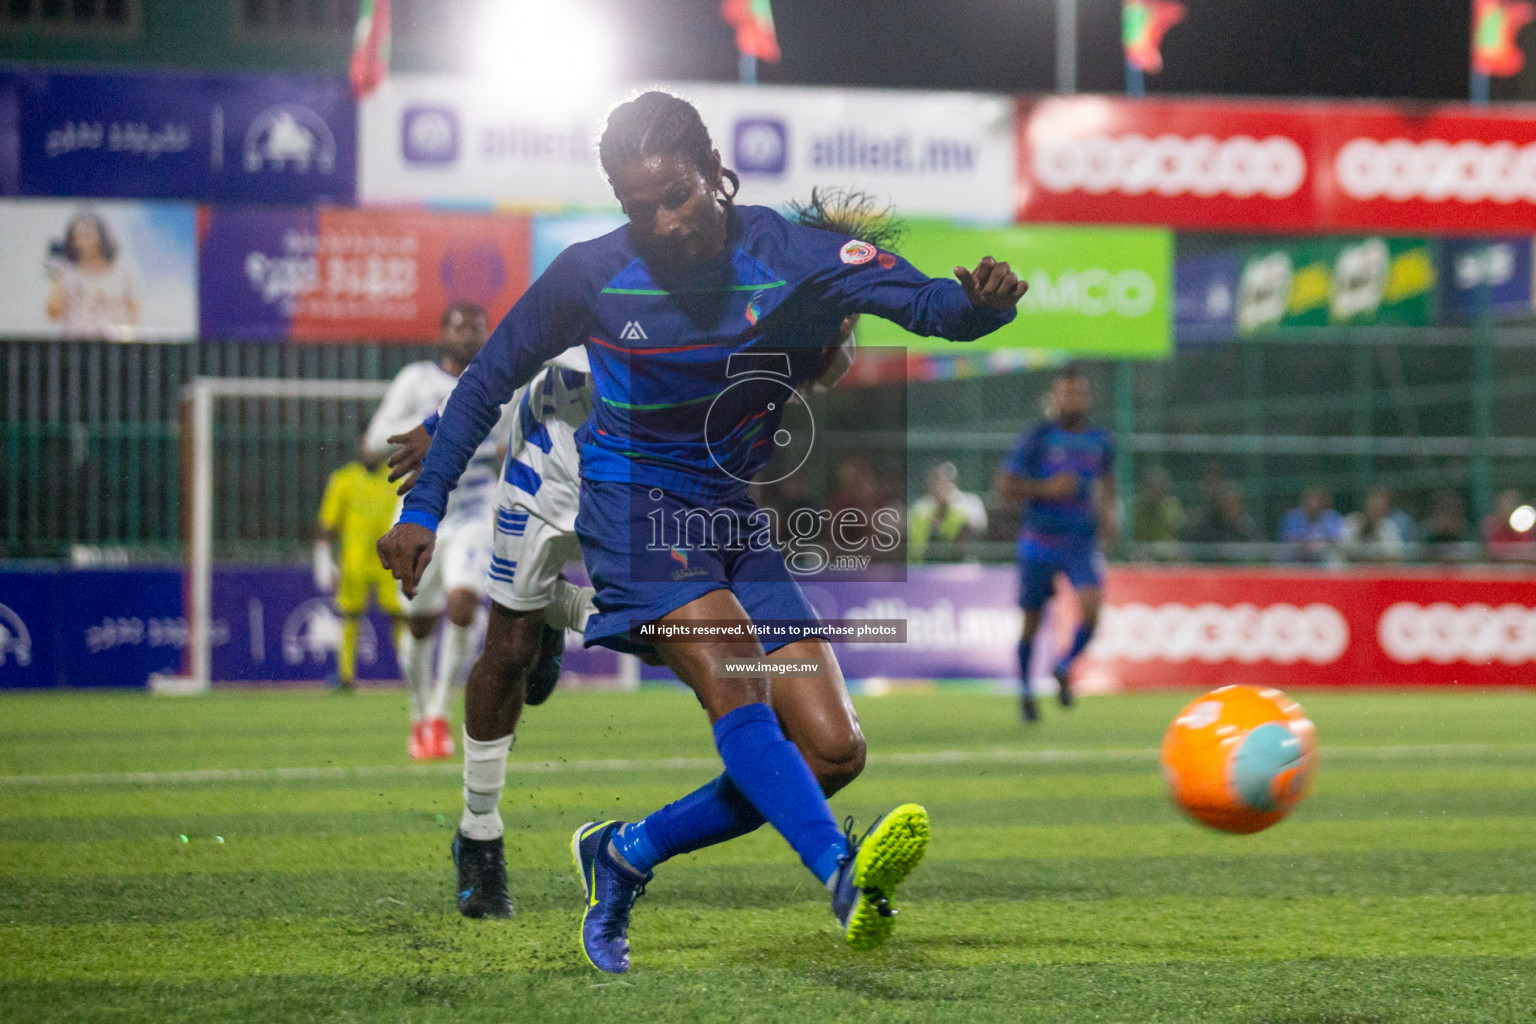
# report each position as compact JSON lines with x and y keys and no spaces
{"x":92,"y":444}
{"x":91,"y":437}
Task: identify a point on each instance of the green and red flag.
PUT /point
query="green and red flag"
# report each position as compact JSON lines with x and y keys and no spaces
{"x":1494,"y":26}
{"x":370,"y":48}
{"x":753,"y":22}
{"x":1143,"y":25}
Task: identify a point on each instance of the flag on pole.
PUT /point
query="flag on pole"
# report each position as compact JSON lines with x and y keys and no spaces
{"x":1143,"y":25}
{"x":370,"y":48}
{"x":1494,"y":25}
{"x":753,"y":22}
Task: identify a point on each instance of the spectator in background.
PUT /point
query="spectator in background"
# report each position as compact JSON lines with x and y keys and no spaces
{"x":1446,"y":524}
{"x":1157,"y":517}
{"x":1313,"y":531}
{"x":858,"y":490}
{"x":1224,"y":521}
{"x":1374,"y":534}
{"x":1502,"y":536}
{"x":945,"y":520}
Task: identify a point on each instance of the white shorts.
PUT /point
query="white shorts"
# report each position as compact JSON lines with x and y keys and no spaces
{"x":460,"y":561}
{"x":535,"y":532}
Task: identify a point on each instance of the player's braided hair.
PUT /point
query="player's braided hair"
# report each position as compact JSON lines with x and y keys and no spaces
{"x":658,"y":123}
{"x":850,"y":212}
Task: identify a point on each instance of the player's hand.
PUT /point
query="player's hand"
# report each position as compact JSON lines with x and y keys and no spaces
{"x":1062,"y":485}
{"x":992,"y":284}
{"x":405,"y":551}
{"x":325,"y":571}
{"x":405,"y":461}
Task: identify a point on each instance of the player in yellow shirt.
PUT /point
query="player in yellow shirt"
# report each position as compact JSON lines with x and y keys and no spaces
{"x":358,"y":508}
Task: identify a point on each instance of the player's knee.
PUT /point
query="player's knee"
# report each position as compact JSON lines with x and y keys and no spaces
{"x":837,"y":759}
{"x":511,"y":648}
{"x":461,"y":607}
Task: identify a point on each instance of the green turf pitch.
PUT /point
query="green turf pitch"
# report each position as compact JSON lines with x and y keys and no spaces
{"x":1060,"y":885}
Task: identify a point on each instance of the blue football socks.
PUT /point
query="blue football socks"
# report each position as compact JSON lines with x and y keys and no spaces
{"x":713,"y":813}
{"x":766,"y":779}
{"x":1026,"y":651}
{"x":1079,"y":642}
{"x":771,"y":772}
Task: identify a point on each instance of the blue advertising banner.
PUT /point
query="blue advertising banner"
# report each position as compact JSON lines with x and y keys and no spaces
{"x":1502,"y":266}
{"x":1205,"y":298}
{"x":117,"y":626}
{"x":214,"y":138}
{"x":28,"y":640}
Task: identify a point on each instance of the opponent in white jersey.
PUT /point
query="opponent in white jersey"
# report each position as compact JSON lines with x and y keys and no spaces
{"x":455,"y":581}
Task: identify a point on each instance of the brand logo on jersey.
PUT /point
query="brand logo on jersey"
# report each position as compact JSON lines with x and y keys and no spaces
{"x":754,"y":308}
{"x":886,"y":260}
{"x":15,"y":640}
{"x":633,"y":332}
{"x":857,"y":252}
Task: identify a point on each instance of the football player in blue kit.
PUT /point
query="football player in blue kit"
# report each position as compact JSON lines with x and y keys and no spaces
{"x":662,"y":306}
{"x":1060,"y":470}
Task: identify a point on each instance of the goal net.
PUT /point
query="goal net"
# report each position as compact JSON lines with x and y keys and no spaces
{"x":255,"y":456}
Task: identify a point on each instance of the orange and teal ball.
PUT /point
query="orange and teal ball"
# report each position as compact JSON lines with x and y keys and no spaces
{"x":1239,"y":758}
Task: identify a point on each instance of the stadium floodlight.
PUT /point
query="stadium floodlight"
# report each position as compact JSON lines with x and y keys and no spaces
{"x":562,"y":54}
{"x":1522,"y":518}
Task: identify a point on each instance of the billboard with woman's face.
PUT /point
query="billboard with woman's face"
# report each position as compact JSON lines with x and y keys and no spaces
{"x":119,"y":271}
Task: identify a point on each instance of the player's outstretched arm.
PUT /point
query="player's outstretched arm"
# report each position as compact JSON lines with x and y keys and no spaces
{"x":546,"y":321}
{"x":860,"y":278}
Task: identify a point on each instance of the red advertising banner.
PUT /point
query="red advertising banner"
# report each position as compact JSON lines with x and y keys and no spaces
{"x":352,"y":275}
{"x":1183,"y":164}
{"x":1285,"y":166}
{"x":1209,"y":627}
{"x":1441,"y":169}
{"x":390,"y":275}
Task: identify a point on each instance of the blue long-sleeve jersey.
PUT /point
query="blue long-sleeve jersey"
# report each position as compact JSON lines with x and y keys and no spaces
{"x":672,"y":408}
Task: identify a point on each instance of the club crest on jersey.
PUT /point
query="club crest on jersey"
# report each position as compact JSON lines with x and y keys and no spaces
{"x":856,"y":252}
{"x":633,"y":332}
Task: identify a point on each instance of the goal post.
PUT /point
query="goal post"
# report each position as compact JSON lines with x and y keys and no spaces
{"x":341,"y":406}
{"x":198,"y":399}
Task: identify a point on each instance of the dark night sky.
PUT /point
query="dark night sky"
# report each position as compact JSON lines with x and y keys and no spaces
{"x":1409,"y":49}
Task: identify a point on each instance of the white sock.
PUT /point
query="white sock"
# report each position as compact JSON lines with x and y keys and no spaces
{"x":450,"y":660}
{"x":569,"y":606}
{"x":415,"y":657}
{"x":485,"y":776}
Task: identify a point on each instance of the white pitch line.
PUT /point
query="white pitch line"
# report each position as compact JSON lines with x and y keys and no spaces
{"x":642,"y":764}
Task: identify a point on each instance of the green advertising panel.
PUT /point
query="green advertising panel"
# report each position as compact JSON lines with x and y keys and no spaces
{"x":1333,"y":281}
{"x":1099,"y":292}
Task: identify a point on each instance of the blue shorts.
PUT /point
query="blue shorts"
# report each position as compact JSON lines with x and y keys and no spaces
{"x":643,"y":566}
{"x":1039,"y":563}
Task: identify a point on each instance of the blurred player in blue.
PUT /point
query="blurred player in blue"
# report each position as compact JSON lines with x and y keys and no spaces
{"x":1060,"y":469}
{"x":670,"y":308}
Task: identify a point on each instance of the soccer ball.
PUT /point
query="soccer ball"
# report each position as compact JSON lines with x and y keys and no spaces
{"x":1238,"y":759}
